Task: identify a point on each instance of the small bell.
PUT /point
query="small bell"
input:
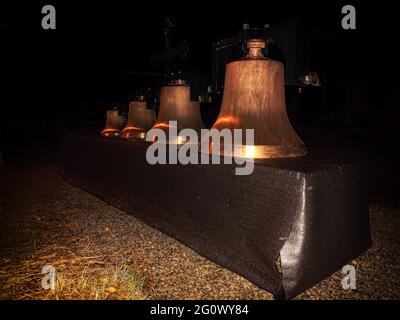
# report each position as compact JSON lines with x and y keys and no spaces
{"x":175,"y":105}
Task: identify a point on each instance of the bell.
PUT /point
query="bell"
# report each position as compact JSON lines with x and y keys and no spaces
{"x":140,"y":119}
{"x":254,"y":98}
{"x":175,"y":105}
{"x":113,"y":122}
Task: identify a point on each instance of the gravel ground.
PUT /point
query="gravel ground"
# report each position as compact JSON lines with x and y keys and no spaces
{"x":98,"y":249}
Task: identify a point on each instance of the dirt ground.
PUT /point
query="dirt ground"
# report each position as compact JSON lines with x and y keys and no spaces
{"x":99,"y":252}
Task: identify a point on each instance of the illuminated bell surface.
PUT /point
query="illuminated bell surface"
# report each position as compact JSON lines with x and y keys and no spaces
{"x":175,"y":105}
{"x":112,"y":123}
{"x":195,"y":106}
{"x":254,"y":98}
{"x":121,"y":122}
{"x":140,"y":119}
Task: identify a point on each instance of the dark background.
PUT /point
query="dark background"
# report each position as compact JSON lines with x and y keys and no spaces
{"x":55,"y":81}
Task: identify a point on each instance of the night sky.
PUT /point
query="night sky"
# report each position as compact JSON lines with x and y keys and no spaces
{"x":58,"y":82}
{"x":95,"y":40}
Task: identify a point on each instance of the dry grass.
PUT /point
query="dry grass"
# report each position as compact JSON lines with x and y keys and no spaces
{"x":120,"y":282}
{"x":78,"y":276}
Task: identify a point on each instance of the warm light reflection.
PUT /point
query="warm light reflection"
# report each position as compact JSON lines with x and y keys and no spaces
{"x":133,"y":132}
{"x":162,"y":125}
{"x":110,"y":132}
{"x":254,"y":98}
{"x":227,"y":119}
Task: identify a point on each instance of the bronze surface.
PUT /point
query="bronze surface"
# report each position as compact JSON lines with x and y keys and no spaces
{"x":254,"y":98}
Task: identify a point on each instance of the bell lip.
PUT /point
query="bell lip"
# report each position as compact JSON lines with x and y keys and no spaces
{"x":133,"y":133}
{"x":264,"y":151}
{"x":110,"y":133}
{"x":140,"y":98}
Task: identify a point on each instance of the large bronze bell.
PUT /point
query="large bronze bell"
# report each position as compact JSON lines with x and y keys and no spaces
{"x":254,"y":98}
{"x":140,"y":119}
{"x":175,"y":105}
{"x":196,"y":116}
{"x":113,"y":122}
